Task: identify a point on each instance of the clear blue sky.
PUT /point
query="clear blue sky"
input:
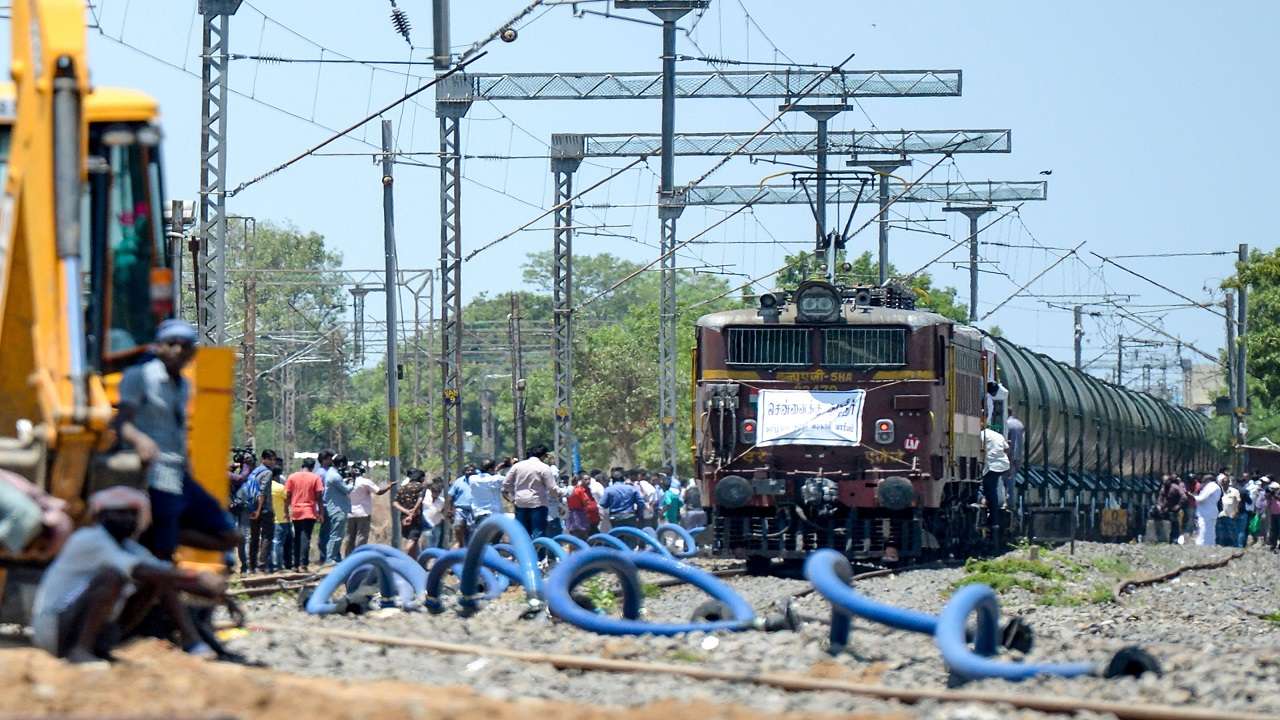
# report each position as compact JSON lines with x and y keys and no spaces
{"x":1156,"y":118}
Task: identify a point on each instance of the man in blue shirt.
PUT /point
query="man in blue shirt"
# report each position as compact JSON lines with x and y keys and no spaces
{"x":621,"y":503}
{"x":486,"y":492}
{"x":337,"y":505}
{"x":461,"y":506}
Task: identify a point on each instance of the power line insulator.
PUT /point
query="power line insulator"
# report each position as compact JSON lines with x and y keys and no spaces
{"x":509,"y":34}
{"x":400,"y":20}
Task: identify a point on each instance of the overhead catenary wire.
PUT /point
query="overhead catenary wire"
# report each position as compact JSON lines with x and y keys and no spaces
{"x":341,"y":133}
{"x":1158,"y":284}
{"x":1030,"y":282}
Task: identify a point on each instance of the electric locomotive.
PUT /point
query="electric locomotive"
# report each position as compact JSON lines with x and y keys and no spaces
{"x":846,"y":418}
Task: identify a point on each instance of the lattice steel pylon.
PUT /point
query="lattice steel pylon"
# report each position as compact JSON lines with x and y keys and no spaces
{"x":564,"y":162}
{"x":451,"y":107}
{"x":211,"y":302}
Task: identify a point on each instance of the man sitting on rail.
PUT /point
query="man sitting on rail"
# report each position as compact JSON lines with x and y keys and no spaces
{"x":103,"y":583}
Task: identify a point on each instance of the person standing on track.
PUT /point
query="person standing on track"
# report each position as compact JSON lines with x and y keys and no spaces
{"x":531,"y":485}
{"x":361,"y":519}
{"x":1206,"y":498}
{"x":337,"y":505}
{"x":1229,"y":516}
{"x":995,"y":451}
{"x":1015,"y":433}
{"x":622,"y":503}
{"x":304,"y":488}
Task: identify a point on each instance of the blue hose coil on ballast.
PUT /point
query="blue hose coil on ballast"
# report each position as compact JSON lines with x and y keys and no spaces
{"x":690,"y":545}
{"x":831,"y":573}
{"x":609,"y":541}
{"x":550,"y":547}
{"x":573,"y":541}
{"x":319,"y":603}
{"x":432,"y":554}
{"x":976,"y":663}
{"x":626,"y":566}
{"x":495,"y":575}
{"x":493,"y":528}
{"x":647,"y":539}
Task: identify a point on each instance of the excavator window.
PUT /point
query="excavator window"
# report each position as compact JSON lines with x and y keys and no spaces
{"x":131,"y":281}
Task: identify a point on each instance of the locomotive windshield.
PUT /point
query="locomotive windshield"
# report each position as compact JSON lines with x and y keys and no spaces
{"x":840,"y":347}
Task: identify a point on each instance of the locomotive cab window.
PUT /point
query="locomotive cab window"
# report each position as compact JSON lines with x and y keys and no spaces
{"x":768,"y":347}
{"x":864,"y":347}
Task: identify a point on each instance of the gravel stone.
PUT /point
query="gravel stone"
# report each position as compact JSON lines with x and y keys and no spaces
{"x":1189,"y":625}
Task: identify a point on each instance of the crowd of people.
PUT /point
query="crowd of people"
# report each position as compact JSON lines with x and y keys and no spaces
{"x":1221,"y":509}
{"x":329,"y":508}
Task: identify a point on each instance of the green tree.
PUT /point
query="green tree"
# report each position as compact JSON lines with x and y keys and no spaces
{"x":1261,"y":274}
{"x":295,"y":308}
{"x":865,"y":271}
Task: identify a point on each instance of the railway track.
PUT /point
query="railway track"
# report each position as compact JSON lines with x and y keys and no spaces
{"x":783,"y":681}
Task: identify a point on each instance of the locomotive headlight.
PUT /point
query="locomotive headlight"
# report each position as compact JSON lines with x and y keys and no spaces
{"x":895,"y":493}
{"x":884,"y":431}
{"x":733,"y":491}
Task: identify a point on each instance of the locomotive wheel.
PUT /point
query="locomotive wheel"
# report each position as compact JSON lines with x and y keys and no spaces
{"x":759,"y":565}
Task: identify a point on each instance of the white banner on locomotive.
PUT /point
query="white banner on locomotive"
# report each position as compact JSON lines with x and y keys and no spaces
{"x":810,"y":417}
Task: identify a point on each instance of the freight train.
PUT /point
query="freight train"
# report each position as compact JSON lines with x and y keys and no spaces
{"x":845,"y":418}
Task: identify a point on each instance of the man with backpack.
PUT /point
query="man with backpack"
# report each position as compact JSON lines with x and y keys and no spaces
{"x":249,"y":498}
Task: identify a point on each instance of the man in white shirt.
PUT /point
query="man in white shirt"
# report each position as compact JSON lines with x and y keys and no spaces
{"x":361,"y":518}
{"x":486,"y":492}
{"x":1230,"y":514}
{"x":995,"y":463}
{"x":649,"y":493}
{"x":531,"y":485}
{"x":1207,"y":509}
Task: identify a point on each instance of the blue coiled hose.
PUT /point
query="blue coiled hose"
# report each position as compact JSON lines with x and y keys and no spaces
{"x":645,"y":538}
{"x":495,"y":575}
{"x":572,"y":541}
{"x":389,"y":567}
{"x":831,"y":573}
{"x":976,"y":664}
{"x":626,"y":566}
{"x":609,"y":541}
{"x":551,"y":547}
{"x":690,"y":545}
{"x":493,"y":528}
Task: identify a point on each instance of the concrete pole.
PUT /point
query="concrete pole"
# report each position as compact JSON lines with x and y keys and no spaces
{"x":1242,"y":354}
{"x":973,"y":213}
{"x":1229,"y":303}
{"x":1078,"y":314}
{"x":393,"y":318}
{"x":517,"y":374}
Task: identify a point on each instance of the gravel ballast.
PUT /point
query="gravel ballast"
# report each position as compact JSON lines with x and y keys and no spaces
{"x":1214,"y":655}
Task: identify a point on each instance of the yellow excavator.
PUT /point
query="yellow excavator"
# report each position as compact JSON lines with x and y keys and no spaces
{"x":86,"y":275}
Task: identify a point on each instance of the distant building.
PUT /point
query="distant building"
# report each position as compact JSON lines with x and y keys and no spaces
{"x":1204,"y":384}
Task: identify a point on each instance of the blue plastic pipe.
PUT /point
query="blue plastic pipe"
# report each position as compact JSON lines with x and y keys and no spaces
{"x":690,"y":545}
{"x":432,"y":554}
{"x":645,"y":540}
{"x":609,"y":541}
{"x":831,"y":573}
{"x":494,"y":583}
{"x":551,"y":547}
{"x":572,"y":541}
{"x":394,"y":555}
{"x":626,"y":566}
{"x":976,"y":663}
{"x":321,"y":603}
{"x":493,"y":528}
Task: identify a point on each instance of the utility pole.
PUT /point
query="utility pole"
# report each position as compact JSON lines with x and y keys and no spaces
{"x":1078,"y":313}
{"x":358,"y":294}
{"x":564,"y":163}
{"x":175,"y":252}
{"x":670,"y":206}
{"x":517,"y":374}
{"x":453,"y":100}
{"x":1229,"y":303}
{"x":212,"y":268}
{"x":393,"y":322}
{"x":1242,"y":353}
{"x":973,"y":213}
{"x":1120,"y":360}
{"x":249,"y":357}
